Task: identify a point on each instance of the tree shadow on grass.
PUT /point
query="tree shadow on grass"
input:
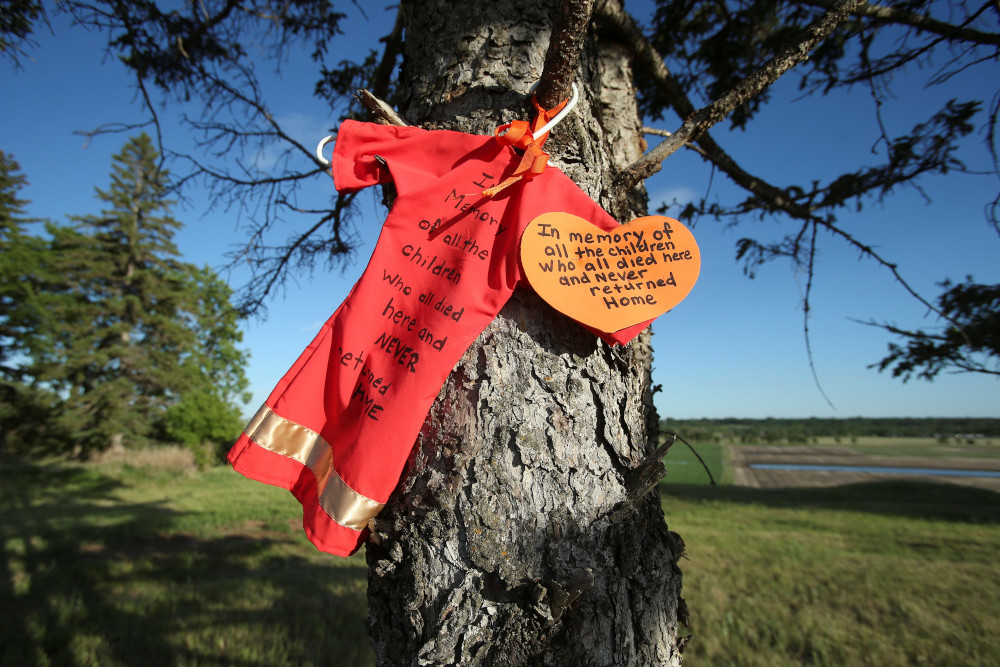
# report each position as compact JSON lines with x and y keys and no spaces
{"x":86,"y":578}
{"x":906,"y":498}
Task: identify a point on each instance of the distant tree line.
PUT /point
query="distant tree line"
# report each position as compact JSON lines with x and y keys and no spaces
{"x":108,"y":339}
{"x":777,"y":430}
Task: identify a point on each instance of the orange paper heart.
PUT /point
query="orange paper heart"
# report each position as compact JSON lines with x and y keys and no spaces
{"x":610,"y":280}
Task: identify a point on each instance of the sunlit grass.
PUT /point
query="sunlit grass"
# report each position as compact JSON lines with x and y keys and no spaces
{"x":118,"y":565}
{"x":871,"y":574}
{"x":112,"y":565}
{"x":683,"y":467}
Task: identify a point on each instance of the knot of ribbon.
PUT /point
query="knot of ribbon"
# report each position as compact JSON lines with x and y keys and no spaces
{"x":521,"y":135}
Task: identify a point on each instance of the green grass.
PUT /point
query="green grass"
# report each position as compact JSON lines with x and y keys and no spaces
{"x":119,"y":566}
{"x":107,"y":565}
{"x":683,"y":467}
{"x":895,"y":573}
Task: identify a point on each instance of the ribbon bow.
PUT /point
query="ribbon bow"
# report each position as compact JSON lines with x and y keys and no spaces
{"x":520,"y":134}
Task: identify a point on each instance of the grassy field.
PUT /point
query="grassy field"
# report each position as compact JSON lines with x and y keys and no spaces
{"x":111,"y":565}
{"x":683,"y":467}
{"x":884,"y":446}
{"x":921,"y":447}
{"x":119,"y":566}
{"x":897,"y":573}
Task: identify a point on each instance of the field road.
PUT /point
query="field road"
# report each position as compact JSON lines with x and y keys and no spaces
{"x":742,"y":457}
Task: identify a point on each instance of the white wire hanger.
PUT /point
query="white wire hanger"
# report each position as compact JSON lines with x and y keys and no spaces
{"x":541,"y":132}
{"x":559,"y":116}
{"x":319,"y":149}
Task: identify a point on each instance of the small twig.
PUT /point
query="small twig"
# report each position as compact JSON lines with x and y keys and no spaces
{"x":805,"y":315}
{"x":648,"y":473}
{"x":693,"y":451}
{"x":563,"y":56}
{"x":382,"y":111}
{"x":644,"y":477}
{"x":666,"y":133}
{"x":387,"y":116}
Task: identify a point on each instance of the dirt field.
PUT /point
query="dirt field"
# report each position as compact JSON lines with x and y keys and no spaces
{"x":742,"y":457}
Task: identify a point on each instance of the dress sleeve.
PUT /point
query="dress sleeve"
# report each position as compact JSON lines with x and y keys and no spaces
{"x":410,"y":157}
{"x":354,"y":165}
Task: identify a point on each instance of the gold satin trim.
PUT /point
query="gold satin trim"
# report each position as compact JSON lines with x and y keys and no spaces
{"x":281,"y":436}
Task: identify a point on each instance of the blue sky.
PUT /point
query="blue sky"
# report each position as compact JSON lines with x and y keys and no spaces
{"x":734,"y":347}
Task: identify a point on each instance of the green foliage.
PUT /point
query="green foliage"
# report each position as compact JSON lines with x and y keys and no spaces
{"x":117,"y":329}
{"x":969,"y":341}
{"x":203,"y":422}
{"x":18,"y":258}
{"x":215,"y":360}
{"x":17,"y":23}
{"x":27,"y":414}
{"x":116,"y":292}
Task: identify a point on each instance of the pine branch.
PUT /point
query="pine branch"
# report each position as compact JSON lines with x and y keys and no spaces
{"x":754,"y":84}
{"x":381,"y":77}
{"x":612,"y":16}
{"x":919,"y":22}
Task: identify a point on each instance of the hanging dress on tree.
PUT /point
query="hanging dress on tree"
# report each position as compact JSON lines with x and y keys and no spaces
{"x":339,"y":426}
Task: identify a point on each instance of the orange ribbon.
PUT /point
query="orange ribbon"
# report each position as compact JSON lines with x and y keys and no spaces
{"x":520,"y":135}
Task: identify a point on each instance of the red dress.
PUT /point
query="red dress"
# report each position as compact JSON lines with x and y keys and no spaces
{"x":337,"y":429}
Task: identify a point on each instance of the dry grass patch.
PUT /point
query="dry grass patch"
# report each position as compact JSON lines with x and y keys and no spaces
{"x":166,"y":458}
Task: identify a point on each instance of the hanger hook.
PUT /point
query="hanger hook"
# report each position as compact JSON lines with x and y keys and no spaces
{"x":319,"y":149}
{"x":562,"y":114}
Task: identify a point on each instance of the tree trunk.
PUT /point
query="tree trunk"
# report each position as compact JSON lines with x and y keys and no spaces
{"x":514,"y":537}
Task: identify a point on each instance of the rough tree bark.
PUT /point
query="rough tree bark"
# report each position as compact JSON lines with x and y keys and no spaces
{"x":515,"y":536}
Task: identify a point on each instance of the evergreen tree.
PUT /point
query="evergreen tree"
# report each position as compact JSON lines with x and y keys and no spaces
{"x":16,"y":249}
{"x":121,"y":336}
{"x":24,"y":410}
{"x":206,"y":418}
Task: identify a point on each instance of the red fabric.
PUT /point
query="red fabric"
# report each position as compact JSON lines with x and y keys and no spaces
{"x":442,"y":237}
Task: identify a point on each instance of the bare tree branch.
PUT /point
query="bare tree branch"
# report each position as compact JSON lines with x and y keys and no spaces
{"x":381,"y":77}
{"x":299,"y":251}
{"x":777,"y":198}
{"x":563,"y":56}
{"x":806,"y":308}
{"x":383,"y":113}
{"x":665,"y":133}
